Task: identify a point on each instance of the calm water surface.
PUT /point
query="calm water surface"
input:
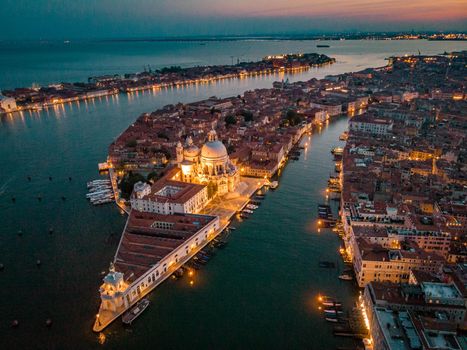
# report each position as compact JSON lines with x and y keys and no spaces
{"x":259,"y":292}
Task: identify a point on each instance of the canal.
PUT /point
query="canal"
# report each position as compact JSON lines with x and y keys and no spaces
{"x":257,"y":292}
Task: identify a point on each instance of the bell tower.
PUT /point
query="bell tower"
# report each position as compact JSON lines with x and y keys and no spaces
{"x":179,"y":151}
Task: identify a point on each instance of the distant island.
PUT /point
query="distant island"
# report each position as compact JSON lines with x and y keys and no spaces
{"x":36,"y":98}
{"x":330,"y":36}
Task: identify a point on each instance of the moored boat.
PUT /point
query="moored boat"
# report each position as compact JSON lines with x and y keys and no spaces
{"x":333,"y":312}
{"x":346,"y":277}
{"x":135,"y":311}
{"x":332,"y":303}
{"x":273,"y":185}
{"x":337,"y":151}
{"x":327,"y":264}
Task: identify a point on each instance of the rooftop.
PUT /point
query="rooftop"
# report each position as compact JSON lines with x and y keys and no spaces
{"x":440,"y":290}
{"x":149,"y":237}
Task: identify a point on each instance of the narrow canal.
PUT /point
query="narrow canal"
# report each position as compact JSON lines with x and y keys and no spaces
{"x":258,"y":292}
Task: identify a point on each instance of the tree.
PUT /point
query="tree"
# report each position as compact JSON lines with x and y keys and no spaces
{"x":131,"y":143}
{"x":293,"y":117}
{"x":162,"y":135}
{"x":230,"y":120}
{"x":127,"y":183}
{"x":247,"y":115}
{"x":153,"y":175}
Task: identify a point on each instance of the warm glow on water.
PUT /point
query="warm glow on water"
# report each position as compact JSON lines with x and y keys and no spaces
{"x":265,"y":280}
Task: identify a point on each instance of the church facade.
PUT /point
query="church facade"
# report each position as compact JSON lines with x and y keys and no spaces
{"x":209,"y":166}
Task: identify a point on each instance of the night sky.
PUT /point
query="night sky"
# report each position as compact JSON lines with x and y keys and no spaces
{"x":42,"y":19}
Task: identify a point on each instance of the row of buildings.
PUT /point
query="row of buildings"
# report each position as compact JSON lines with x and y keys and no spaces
{"x":38,"y":97}
{"x":192,"y":154}
{"x":404,"y":202}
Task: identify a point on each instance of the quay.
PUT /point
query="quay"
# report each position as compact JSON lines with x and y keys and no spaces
{"x":222,"y":210}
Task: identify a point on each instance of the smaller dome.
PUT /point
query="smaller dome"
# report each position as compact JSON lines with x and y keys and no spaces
{"x":191,"y":151}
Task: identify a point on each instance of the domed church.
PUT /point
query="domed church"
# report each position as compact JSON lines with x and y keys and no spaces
{"x":210,"y":166}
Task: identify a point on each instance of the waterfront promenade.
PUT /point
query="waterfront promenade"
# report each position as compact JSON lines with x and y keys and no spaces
{"x":38,"y":98}
{"x":225,"y":209}
{"x":260,"y":253}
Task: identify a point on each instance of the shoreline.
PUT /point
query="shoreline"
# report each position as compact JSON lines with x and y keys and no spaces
{"x":34,"y":99}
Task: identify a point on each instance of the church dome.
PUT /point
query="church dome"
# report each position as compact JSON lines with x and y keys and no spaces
{"x":191,"y":151}
{"x":214,"y":150}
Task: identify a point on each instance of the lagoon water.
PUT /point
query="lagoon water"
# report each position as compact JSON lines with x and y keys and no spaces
{"x":257,"y":293}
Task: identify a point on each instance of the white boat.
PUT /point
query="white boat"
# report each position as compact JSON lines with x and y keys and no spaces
{"x":333,"y":312}
{"x":135,"y":311}
{"x":252,"y":206}
{"x":97,"y":183}
{"x":248,"y":211}
{"x":103,"y":201}
{"x":98,"y":193}
{"x":337,"y":151}
{"x":273,"y":185}
{"x":99,"y":188}
{"x":345,"y":277}
{"x":327,"y":301}
{"x":330,"y":319}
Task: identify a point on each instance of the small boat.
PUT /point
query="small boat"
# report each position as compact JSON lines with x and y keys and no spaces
{"x":344,"y":136}
{"x":330,"y":319}
{"x":346,"y":277}
{"x":178,"y":273}
{"x":220,"y":244}
{"x":252,"y":206}
{"x":135,"y":311}
{"x":322,"y":45}
{"x":337,"y":151}
{"x":333,"y":312}
{"x":336,"y":304}
{"x":327,"y":264}
{"x":273,"y":185}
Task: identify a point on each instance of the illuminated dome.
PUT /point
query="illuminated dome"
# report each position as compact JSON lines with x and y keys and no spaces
{"x":214,"y":150}
{"x":191,"y":151}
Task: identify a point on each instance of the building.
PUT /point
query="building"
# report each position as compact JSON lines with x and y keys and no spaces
{"x":209,"y":166}
{"x":332,"y":108}
{"x":373,"y":262}
{"x":366,"y":123}
{"x":441,"y":300}
{"x":152,"y":247}
{"x":7,"y":104}
{"x":167,"y":196}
